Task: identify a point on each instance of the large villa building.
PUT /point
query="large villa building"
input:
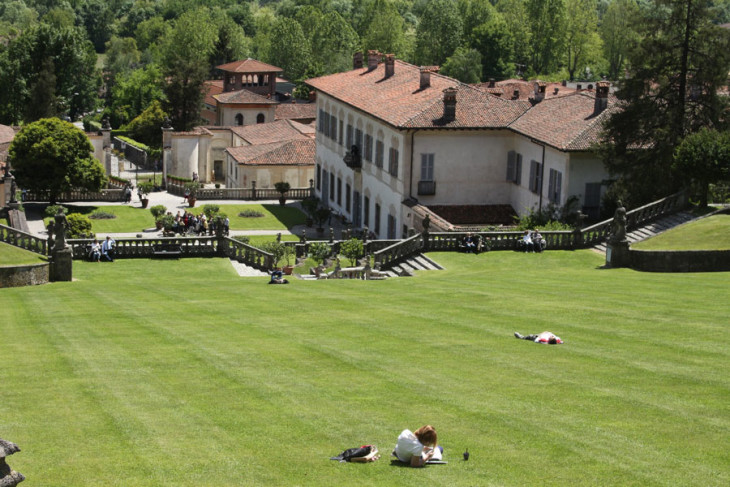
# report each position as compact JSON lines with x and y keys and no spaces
{"x":391,"y":135}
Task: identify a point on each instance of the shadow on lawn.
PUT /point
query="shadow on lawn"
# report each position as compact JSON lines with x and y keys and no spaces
{"x":287,"y":215}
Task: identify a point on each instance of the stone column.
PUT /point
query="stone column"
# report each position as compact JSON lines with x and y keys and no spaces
{"x":8,"y":476}
{"x":61,"y":267}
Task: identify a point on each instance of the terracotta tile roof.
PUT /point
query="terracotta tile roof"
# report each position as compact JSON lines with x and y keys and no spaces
{"x":526,"y":89}
{"x":399,"y":101}
{"x":566,"y":122}
{"x":7,"y":134}
{"x":277,"y":131}
{"x":244,"y":96}
{"x":249,"y":66}
{"x":296,"y":111}
{"x":211,"y":88}
{"x":292,"y":152}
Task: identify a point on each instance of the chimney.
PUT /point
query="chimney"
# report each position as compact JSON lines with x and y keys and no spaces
{"x":491,"y":83}
{"x":425,"y":77}
{"x":389,"y":65}
{"x":540,"y":91}
{"x":357,"y":60}
{"x":556,"y":90}
{"x":601,"y":96}
{"x":579,"y":87}
{"x":450,"y":104}
{"x":516,"y":95}
{"x":564,"y":83}
{"x":590,"y":86}
{"x":373,"y":59}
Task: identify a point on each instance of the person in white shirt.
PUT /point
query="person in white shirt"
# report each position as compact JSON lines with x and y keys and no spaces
{"x":95,"y":251}
{"x":527,"y":242}
{"x":107,"y":249}
{"x":416,"y":448}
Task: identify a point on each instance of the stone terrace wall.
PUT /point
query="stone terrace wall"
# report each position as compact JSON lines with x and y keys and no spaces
{"x":680,"y":260}
{"x":24,"y":275}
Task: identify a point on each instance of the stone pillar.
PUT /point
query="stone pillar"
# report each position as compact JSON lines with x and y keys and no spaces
{"x":61,"y":268}
{"x":106,"y":138}
{"x":253,"y":190}
{"x":166,"y":149}
{"x":8,"y":476}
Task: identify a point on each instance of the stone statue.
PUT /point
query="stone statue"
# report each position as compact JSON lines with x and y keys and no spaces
{"x":50,"y":235}
{"x":105,"y":125}
{"x":60,"y":228}
{"x":618,"y":229}
{"x":13,"y":190}
{"x":167,"y":123}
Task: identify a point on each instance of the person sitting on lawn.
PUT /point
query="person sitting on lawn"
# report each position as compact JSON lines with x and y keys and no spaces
{"x":527,"y":242}
{"x":546,"y":338}
{"x":538,"y":243}
{"x":107,"y":249}
{"x":95,"y":251}
{"x":418,"y":447}
{"x":471,"y":243}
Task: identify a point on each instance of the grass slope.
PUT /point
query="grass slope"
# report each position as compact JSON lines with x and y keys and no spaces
{"x":155,"y":373}
{"x":12,"y":255}
{"x":711,"y":233}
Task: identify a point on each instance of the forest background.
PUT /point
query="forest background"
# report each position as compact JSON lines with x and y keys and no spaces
{"x":116,"y":58}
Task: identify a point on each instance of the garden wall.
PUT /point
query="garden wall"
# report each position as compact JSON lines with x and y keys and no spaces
{"x":24,"y":275}
{"x":680,"y":260}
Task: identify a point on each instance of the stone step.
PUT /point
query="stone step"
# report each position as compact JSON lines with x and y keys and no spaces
{"x":425,"y":263}
{"x":431,"y":262}
{"x":415,"y":264}
{"x":244,"y":270}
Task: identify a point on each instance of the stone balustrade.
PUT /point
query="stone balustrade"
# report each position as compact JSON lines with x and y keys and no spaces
{"x":23,"y":240}
{"x":143,"y":247}
{"x":249,"y":255}
{"x":113,"y":195}
{"x":178,"y":188}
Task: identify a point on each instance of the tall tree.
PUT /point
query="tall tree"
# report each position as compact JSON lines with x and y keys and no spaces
{"x":55,"y":156}
{"x":465,"y":65}
{"x":290,"y":49}
{"x":385,"y":31}
{"x":333,"y":43}
{"x":514,"y":13}
{"x":617,"y":33}
{"x":73,"y":59}
{"x":186,"y":52}
{"x":134,"y":91}
{"x":494,"y":42}
{"x":232,"y":43}
{"x":439,"y":32}
{"x":547,"y":26}
{"x":671,"y":91}
{"x":581,"y":21}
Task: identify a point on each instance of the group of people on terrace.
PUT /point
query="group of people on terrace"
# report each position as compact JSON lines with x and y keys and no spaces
{"x":532,"y":241}
{"x":200,"y":224}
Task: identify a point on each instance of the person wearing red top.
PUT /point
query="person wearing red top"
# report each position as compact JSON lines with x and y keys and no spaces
{"x":546,"y":338}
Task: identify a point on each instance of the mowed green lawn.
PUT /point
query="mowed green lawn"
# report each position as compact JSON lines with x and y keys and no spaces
{"x":136,"y":219}
{"x":711,"y":233}
{"x":182,"y":373}
{"x":11,"y":255}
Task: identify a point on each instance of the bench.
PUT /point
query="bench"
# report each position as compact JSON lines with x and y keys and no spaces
{"x":167,"y":250}
{"x":477,"y":239}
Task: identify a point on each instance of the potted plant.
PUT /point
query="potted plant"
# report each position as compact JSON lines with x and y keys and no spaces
{"x":282,"y":187}
{"x":143,"y":190}
{"x":191,"y":190}
{"x":158,"y":211}
{"x":276,"y":249}
{"x":167,"y":223}
{"x":319,"y":251}
{"x":288,"y":254}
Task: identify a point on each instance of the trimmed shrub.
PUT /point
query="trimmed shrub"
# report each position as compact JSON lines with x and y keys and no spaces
{"x":157,"y":211}
{"x":352,"y":250}
{"x":102,"y":215}
{"x":51,"y":210}
{"x":79,"y":226}
{"x":250,"y":214}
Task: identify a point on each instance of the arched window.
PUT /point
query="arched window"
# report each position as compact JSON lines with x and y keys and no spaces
{"x":239,"y":119}
{"x":260,"y":118}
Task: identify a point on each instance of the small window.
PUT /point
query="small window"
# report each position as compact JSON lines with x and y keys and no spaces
{"x":393,"y":162}
{"x":239,"y":119}
{"x":376,"y":223}
{"x":260,"y":118}
{"x":366,"y":212}
{"x":340,"y":133}
{"x":358,"y":139}
{"x":368,"y":154}
{"x":379,"y":154}
{"x":514,"y":167}
{"x":333,"y":128}
{"x":535,"y":176}
{"x":427,"y":167}
{"x":339,"y":192}
{"x":349,"y":137}
{"x":319,"y":177}
{"x":348,"y":200}
{"x":332,"y":186}
{"x":555,"y":186}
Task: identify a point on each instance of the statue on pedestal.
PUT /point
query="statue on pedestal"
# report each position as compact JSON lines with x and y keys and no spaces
{"x":618,"y":229}
{"x":60,"y":228}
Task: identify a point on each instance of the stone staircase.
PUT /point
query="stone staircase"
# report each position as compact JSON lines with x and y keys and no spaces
{"x":654,"y":228}
{"x":417,"y":262}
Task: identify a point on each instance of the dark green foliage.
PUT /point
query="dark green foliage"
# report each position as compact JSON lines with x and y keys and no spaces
{"x":146,"y":127}
{"x":53,"y":155}
{"x":703,"y":158}
{"x":465,"y":65}
{"x":51,"y":210}
{"x":672,"y":91}
{"x":102,"y":215}
{"x":319,"y":251}
{"x":79,"y":226}
{"x":146,"y":187}
{"x":282,"y":187}
{"x":250,"y":214}
{"x":439,"y":32}
{"x":210,"y":210}
{"x":289,"y":49}
{"x":158,"y":210}
{"x":352,"y":249}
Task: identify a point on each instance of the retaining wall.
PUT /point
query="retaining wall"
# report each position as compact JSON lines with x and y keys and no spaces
{"x":24,"y":275}
{"x":680,"y":260}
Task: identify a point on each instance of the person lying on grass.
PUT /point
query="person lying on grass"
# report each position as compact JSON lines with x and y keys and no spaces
{"x":546,"y":338}
{"x":416,"y":448}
